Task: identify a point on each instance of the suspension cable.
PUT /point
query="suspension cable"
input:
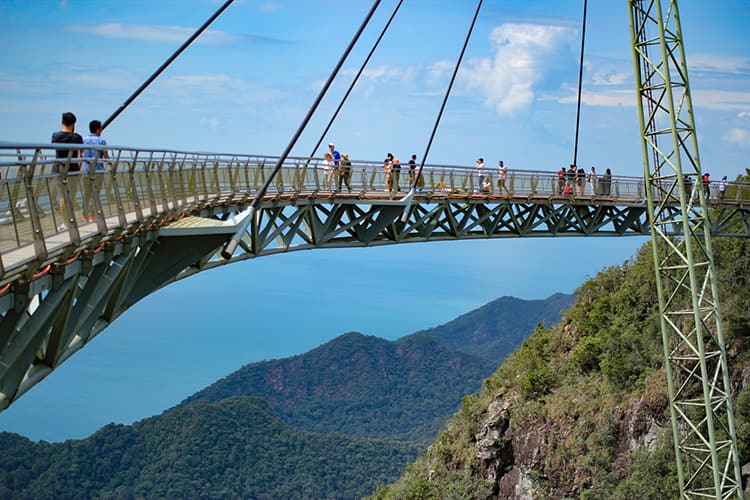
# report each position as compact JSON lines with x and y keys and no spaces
{"x":231,"y":245}
{"x":580,"y":83}
{"x":165,"y":64}
{"x":445,"y":98}
{"x":356,"y":79}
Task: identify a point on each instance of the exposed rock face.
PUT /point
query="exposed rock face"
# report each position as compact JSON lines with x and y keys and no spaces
{"x":494,"y":449}
{"x":514,"y":457}
{"x":504,"y":458}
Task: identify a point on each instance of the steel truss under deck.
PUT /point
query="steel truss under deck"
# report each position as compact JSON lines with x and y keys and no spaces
{"x":51,"y":315}
{"x":695,"y":355}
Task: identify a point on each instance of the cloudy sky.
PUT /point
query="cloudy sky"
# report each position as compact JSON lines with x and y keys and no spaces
{"x":245,"y":86}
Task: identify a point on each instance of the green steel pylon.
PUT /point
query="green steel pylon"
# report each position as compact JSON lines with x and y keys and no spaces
{"x":695,"y":355}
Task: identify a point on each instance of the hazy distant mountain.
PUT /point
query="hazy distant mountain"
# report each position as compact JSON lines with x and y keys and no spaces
{"x":496,"y":329}
{"x":361,"y":385}
{"x":236,"y":448}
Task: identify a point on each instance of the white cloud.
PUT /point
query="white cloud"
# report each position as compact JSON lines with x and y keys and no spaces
{"x":738,"y":136}
{"x":384,"y":73}
{"x":609,"y":98}
{"x":725,"y":64}
{"x":151,"y":33}
{"x":213,"y":122}
{"x":722,"y":100}
{"x":269,"y":7}
{"x":378,"y":76}
{"x":718,"y":100}
{"x":522,"y":54}
{"x":91,"y":77}
{"x":611,"y":78}
{"x":439,"y":71}
{"x":214,"y":87}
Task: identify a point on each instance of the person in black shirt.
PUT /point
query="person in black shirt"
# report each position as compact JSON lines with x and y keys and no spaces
{"x":67,"y":135}
{"x":396,"y":170}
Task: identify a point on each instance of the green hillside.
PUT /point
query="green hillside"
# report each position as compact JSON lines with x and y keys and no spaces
{"x":496,"y":329}
{"x":580,"y":410}
{"x":362,"y":386}
{"x":235,"y":448}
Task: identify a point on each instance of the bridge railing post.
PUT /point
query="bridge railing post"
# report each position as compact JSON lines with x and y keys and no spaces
{"x":230,"y":176}
{"x":165,"y":187}
{"x":68,"y":208}
{"x":246,"y":187}
{"x":40,"y":246}
{"x":215,"y":177}
{"x":192,"y":180}
{"x":134,"y":188}
{"x":172,"y":174}
{"x":260,"y":175}
{"x":181,"y":185}
{"x":280,"y":180}
{"x":92,"y":196}
{"x":204,"y":182}
{"x":14,"y":191}
{"x":116,"y":190}
{"x":316,"y":183}
{"x":148,"y":177}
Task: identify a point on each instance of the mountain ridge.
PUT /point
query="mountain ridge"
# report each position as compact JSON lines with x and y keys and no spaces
{"x":379,"y":401}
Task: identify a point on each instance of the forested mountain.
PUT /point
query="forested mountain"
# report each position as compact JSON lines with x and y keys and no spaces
{"x":335,"y":422}
{"x":235,"y":448}
{"x":362,"y":386}
{"x":496,"y":329}
{"x":580,"y":410}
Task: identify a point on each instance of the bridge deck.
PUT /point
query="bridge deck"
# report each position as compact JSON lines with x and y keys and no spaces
{"x":141,"y":190}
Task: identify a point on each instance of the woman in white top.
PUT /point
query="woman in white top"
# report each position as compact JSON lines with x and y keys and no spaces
{"x":327,"y":165}
{"x":502,"y":175}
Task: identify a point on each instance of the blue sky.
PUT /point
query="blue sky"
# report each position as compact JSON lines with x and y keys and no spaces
{"x":244,"y":87}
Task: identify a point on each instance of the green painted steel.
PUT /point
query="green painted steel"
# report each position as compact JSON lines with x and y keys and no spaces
{"x":695,"y":355}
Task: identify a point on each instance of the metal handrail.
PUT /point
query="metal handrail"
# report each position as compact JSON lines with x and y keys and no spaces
{"x":140,"y":186}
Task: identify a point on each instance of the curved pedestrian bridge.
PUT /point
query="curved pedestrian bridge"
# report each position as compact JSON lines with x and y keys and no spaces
{"x":79,"y":248}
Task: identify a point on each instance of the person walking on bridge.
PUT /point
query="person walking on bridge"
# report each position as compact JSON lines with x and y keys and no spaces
{"x":607,"y":183}
{"x":334,"y":154}
{"x":593,"y":179}
{"x":580,"y":181}
{"x":67,"y":135}
{"x":502,"y":176}
{"x":328,"y":171}
{"x":570,"y":176}
{"x":345,"y":172}
{"x":92,"y":164}
{"x":561,"y":180}
{"x":480,"y":173}
{"x":707,"y":185}
{"x":395,"y":174}
{"x":388,"y":169}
